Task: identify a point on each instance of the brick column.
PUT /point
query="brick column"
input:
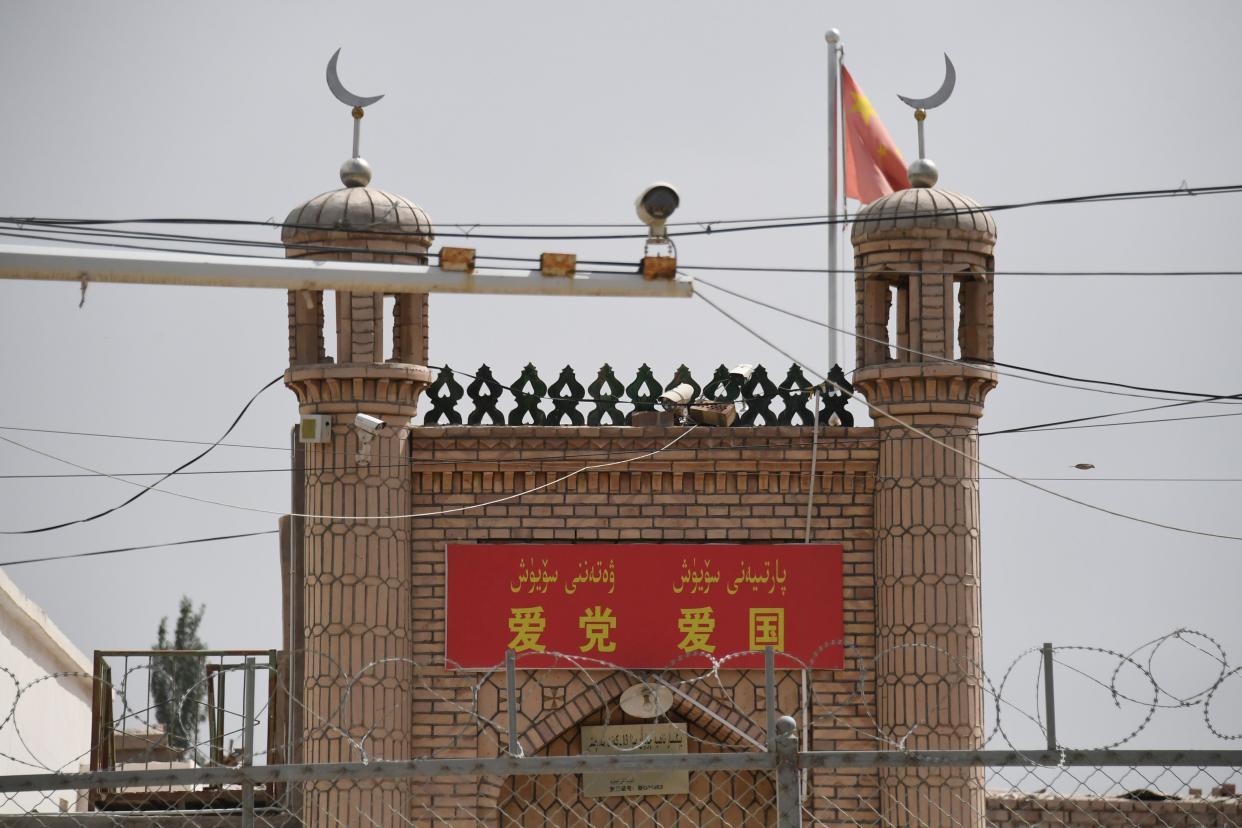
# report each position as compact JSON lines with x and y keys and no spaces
{"x":354,"y":644}
{"x":929,"y":631}
{"x":357,"y":588}
{"x":916,"y":246}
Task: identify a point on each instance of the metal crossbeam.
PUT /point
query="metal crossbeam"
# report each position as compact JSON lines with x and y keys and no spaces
{"x":1019,"y":758}
{"x":533,"y":766}
{"x":204,"y":270}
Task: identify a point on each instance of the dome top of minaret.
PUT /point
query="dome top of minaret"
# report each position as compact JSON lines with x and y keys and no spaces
{"x":357,"y":215}
{"x":374,"y":214}
{"x":923,"y":208}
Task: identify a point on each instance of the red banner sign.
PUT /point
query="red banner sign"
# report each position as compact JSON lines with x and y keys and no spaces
{"x":644,"y":606}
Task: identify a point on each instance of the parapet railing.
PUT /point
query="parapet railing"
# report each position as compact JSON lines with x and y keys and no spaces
{"x":183,"y":709}
{"x":478,"y":398}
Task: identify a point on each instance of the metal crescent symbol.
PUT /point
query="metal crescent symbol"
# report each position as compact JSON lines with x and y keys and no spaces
{"x":342,"y":94}
{"x":941,"y":95}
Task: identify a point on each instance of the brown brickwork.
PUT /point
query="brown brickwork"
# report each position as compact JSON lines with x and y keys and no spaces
{"x":358,"y":224}
{"x":357,"y":673}
{"x":1012,"y":809}
{"x":715,"y":485}
{"x":905,"y":508}
{"x":929,"y":629}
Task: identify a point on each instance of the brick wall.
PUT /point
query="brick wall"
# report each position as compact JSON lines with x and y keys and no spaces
{"x":715,"y":485}
{"x":1111,"y":812}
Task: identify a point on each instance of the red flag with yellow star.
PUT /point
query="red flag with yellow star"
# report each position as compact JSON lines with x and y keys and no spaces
{"x":873,"y":164}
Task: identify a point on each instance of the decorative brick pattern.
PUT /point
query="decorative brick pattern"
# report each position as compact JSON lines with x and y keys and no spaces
{"x":717,"y":798}
{"x":356,"y":640}
{"x":713,"y":486}
{"x":929,"y":632}
{"x":358,"y":675}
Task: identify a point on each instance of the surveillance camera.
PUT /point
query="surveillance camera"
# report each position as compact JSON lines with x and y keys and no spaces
{"x":678,"y":395}
{"x":369,"y":424}
{"x":656,"y":204}
{"x":742,"y":372}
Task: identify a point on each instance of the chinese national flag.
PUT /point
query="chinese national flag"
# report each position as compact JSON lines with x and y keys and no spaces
{"x":873,"y":165}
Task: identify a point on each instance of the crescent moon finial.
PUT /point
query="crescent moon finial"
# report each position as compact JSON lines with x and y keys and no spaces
{"x":340,"y":92}
{"x":940,"y":95}
{"x":355,"y":172}
{"x":922,"y":171}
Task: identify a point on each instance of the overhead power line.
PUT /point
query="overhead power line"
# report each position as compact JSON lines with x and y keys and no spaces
{"x":58,"y":234}
{"x":122,"y":549}
{"x":216,"y":444}
{"x":525,"y":461}
{"x":354,"y":518}
{"x":793,"y":314}
{"x":973,"y":458}
{"x":543,"y":457}
{"x":705,"y":228}
{"x":145,"y":489}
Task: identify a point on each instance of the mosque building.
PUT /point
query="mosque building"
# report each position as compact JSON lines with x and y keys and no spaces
{"x":893,"y":511}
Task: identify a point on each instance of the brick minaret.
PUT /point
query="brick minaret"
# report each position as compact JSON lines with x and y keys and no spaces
{"x":924,"y":261}
{"x":354,"y":665}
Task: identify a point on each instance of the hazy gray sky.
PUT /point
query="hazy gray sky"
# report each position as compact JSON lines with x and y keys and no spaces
{"x":563,"y":112}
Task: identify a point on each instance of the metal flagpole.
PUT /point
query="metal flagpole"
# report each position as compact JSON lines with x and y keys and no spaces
{"x":833,"y":37}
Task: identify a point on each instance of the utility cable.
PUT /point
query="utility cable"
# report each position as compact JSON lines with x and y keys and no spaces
{"x":1036,"y":428}
{"x":145,"y":488}
{"x":1048,"y":426}
{"x":454,"y":510}
{"x":561,"y":458}
{"x":119,"y":550}
{"x":759,"y":336}
{"x":937,"y":358}
{"x":65,"y":235}
{"x":975,"y":459}
{"x":705,"y":228}
{"x":144,"y":439}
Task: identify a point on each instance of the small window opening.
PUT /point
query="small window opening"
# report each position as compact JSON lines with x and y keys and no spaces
{"x":958,"y":312}
{"x":390,"y":325}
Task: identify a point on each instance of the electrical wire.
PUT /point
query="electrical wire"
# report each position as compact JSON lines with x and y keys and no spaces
{"x":707,"y":228}
{"x":824,"y":271}
{"x":544,"y":458}
{"x":145,"y":489}
{"x":1049,"y":426}
{"x":454,"y":510}
{"x":760,"y":336}
{"x":119,"y":550}
{"x":975,"y":459}
{"x":563,"y":457}
{"x":145,"y":439}
{"x":1032,"y":429}
{"x":65,"y":235}
{"x":813,"y":321}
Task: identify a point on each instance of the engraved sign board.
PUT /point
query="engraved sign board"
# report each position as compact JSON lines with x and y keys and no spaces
{"x":643,"y":606}
{"x":631,"y":740}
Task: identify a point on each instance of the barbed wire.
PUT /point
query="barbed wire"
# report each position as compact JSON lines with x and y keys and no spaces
{"x":725,"y":692}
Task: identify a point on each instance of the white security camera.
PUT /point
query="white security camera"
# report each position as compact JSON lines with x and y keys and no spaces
{"x":742,"y":372}
{"x":369,"y":424}
{"x":678,"y":395}
{"x":655,"y":205}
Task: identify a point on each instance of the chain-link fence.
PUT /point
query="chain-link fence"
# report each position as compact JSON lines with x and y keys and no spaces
{"x":592,"y":744}
{"x":782,"y":787}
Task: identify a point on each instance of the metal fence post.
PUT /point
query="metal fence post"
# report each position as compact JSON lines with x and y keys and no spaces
{"x":511,"y":703}
{"x":247,"y":758}
{"x":1050,"y":706}
{"x":769,"y":692}
{"x":788,"y":779}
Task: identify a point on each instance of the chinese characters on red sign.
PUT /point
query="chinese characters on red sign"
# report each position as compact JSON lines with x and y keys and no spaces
{"x":643,"y":606}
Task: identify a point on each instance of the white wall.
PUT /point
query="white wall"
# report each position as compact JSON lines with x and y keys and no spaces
{"x":44,"y":722}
